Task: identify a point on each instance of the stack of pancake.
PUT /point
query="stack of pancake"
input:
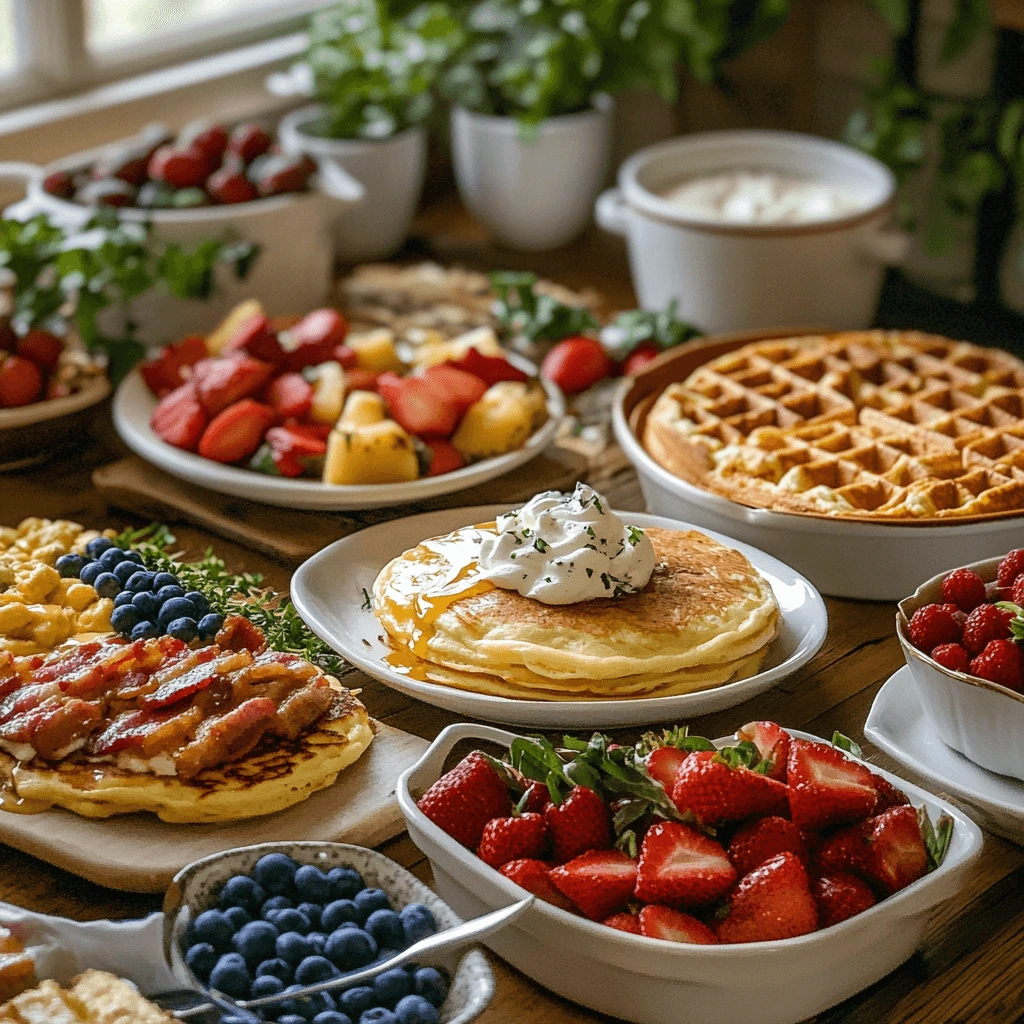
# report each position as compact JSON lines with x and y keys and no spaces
{"x":705,"y":618}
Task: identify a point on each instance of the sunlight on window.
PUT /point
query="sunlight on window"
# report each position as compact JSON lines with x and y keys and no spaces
{"x":114,"y":23}
{"x":8,"y":58}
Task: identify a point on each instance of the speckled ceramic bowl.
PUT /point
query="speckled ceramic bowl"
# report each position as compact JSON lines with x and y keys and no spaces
{"x":195,"y":888}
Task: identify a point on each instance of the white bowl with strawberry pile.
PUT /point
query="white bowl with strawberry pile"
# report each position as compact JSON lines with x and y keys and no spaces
{"x":720,"y":968}
{"x":971,"y":684}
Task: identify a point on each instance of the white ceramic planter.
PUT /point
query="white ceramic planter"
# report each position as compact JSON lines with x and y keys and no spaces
{"x":729,"y":277}
{"x":532,"y":195}
{"x":390,"y":170}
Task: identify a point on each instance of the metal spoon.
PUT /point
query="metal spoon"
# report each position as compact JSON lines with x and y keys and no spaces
{"x":452,"y":938}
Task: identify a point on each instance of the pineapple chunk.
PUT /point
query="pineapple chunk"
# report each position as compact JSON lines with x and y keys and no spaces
{"x":328,"y":380}
{"x":361,"y":409}
{"x":375,"y":351}
{"x":500,"y":422}
{"x":218,"y":339}
{"x":380,"y":453}
{"x":437,"y":351}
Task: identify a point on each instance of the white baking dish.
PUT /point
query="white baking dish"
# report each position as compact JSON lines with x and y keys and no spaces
{"x":983,"y":721}
{"x":656,"y":982}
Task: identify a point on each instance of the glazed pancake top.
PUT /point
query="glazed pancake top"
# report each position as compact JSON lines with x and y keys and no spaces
{"x":888,"y":425}
{"x":705,"y":616}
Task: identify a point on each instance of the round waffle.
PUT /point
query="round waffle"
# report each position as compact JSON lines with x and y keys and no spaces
{"x":888,"y":425}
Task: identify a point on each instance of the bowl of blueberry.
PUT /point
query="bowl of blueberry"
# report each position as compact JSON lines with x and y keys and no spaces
{"x":262,"y":920}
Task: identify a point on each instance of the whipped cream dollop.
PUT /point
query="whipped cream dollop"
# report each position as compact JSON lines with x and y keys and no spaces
{"x":565,"y":548}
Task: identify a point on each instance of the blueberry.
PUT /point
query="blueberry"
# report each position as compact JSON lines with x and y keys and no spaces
{"x":266,"y":985}
{"x":349,"y":948}
{"x":210,"y":625}
{"x":311,"y":884}
{"x":417,"y":922}
{"x":274,"y":904}
{"x":332,"y":1017}
{"x":386,"y":928}
{"x":107,"y":585}
{"x":110,"y":558}
{"x":97,"y":546}
{"x":183,"y":629}
{"x":202,"y":606}
{"x":145,"y":630}
{"x":90,"y":572}
{"x":125,"y":597}
{"x":312,"y":912}
{"x":378,"y":1015}
{"x":238,"y":917}
{"x":124,"y":571}
{"x":213,"y":927}
{"x":275,"y":872}
{"x":133,"y":556}
{"x":124,"y":619}
{"x":431,"y":984}
{"x":256,"y":941}
{"x":293,"y":947}
{"x":147,"y":604}
{"x":139,"y":581}
{"x":356,"y":1001}
{"x":391,"y":986}
{"x":318,"y":941}
{"x":165,"y":579}
{"x":231,"y":976}
{"x":370,"y":900}
{"x":168,"y":593}
{"x":291,"y":921}
{"x":242,"y":891}
{"x":276,"y":968}
{"x":315,"y":969}
{"x":336,"y":913}
{"x":175,"y":608}
{"x":415,"y":1009}
{"x":69,"y":566}
{"x":345,"y":883}
{"x":201,"y":959}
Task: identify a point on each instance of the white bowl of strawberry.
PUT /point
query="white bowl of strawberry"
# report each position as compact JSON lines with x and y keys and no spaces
{"x":769,"y":871}
{"x":961,"y":634}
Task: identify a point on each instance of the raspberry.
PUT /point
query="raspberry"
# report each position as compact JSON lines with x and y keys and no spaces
{"x":999,"y":663}
{"x":952,"y":656}
{"x":932,"y":626}
{"x":1017,"y":594}
{"x":985,"y":624}
{"x":958,"y":614}
{"x":1010,"y":568}
{"x":964,"y":588}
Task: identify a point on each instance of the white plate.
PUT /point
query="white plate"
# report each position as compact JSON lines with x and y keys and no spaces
{"x":328,"y":591}
{"x":897,"y":724}
{"x":134,"y":405}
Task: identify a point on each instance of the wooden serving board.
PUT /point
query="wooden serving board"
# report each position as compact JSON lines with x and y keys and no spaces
{"x":292,"y":536}
{"x":140,"y":853}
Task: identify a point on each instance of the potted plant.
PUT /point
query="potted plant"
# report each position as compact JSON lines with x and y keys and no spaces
{"x":372,"y":73}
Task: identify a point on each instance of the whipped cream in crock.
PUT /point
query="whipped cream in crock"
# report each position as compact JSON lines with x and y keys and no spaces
{"x":562,"y":549}
{"x":762,"y":197}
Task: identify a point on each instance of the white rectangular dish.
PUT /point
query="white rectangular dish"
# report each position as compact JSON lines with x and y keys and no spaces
{"x":648,"y":980}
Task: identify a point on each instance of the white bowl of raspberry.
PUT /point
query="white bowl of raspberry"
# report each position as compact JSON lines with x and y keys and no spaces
{"x":962,"y":642}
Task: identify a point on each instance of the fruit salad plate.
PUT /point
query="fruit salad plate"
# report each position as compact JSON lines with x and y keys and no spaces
{"x":898,"y":725}
{"x":331,"y":591}
{"x":134,"y":405}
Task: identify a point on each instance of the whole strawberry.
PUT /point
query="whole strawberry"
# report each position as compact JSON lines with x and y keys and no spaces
{"x":1000,"y":663}
{"x":514,"y":838}
{"x":1010,"y":568}
{"x":985,"y":624}
{"x":532,"y":875}
{"x":763,"y":839}
{"x":708,"y":791}
{"x":841,"y":896}
{"x":964,"y":588}
{"x":931,"y":626}
{"x":599,"y":882}
{"x":463,"y":800}
{"x":953,"y":657}
{"x":581,"y":822}
{"x":773,"y":902}
{"x":682,"y":867}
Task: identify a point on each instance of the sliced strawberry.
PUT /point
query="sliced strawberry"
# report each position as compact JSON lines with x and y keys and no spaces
{"x":674,"y":926}
{"x":841,"y":896}
{"x":444,"y":458}
{"x":581,"y":822}
{"x":463,"y":800}
{"x":236,"y":433}
{"x":773,"y":902}
{"x":772,"y":742}
{"x":888,"y":794}
{"x":361,"y":380}
{"x":298,"y":440}
{"x":317,"y":431}
{"x":255,"y":338}
{"x":524,"y":836}
{"x":763,"y":839}
{"x":289,"y":395}
{"x":826,"y":787}
{"x":222,"y":381}
{"x":346,"y":356}
{"x":418,"y":405}
{"x":709,"y":791}
{"x":165,"y":372}
{"x":623,"y":922}
{"x":663,"y":764}
{"x":315,"y":338}
{"x":490,"y":369}
{"x":464,"y":389}
{"x":681,"y":866}
{"x":532,"y":875}
{"x":179,"y":419}
{"x":598,"y":882}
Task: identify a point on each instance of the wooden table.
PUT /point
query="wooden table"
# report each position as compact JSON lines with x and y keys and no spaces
{"x":969,"y":969}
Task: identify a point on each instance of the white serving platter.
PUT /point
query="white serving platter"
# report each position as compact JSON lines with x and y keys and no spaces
{"x":329,"y":591}
{"x":134,"y":405}
{"x":897,"y":724}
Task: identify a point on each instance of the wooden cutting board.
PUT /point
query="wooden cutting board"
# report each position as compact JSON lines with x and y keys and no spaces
{"x":291,"y":536}
{"x":140,"y":853}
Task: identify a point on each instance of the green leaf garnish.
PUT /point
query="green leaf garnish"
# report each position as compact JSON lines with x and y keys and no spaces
{"x":936,"y":838}
{"x":538,"y":317}
{"x":845,"y":743}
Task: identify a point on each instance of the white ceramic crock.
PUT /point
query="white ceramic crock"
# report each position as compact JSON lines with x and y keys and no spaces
{"x":983,"y":721}
{"x":390,"y":170}
{"x":532,"y":195}
{"x":292,"y":273}
{"x":728,"y":277}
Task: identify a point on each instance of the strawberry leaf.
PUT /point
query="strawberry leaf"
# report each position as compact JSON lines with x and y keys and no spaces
{"x":678,"y":737}
{"x":845,"y":743}
{"x":627,"y":843}
{"x":537,"y":759}
{"x":1017,"y":622}
{"x":936,"y":838}
{"x":744,"y":755}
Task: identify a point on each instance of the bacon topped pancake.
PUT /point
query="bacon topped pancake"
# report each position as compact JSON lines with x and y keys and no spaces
{"x":192,"y":734}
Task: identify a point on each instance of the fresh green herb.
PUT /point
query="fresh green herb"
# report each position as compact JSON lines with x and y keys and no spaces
{"x":524,"y":312}
{"x":540,"y":544}
{"x":640,"y":326}
{"x":845,"y":743}
{"x":229,"y":593}
{"x":367,"y":604}
{"x":635,"y":535}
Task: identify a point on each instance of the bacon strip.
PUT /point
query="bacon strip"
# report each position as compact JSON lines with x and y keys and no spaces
{"x":227,"y":737}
